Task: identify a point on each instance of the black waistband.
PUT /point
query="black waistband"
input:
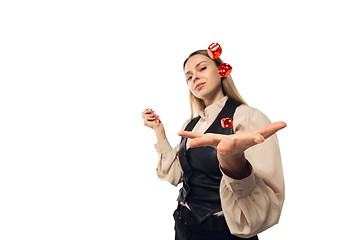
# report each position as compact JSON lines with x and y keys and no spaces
{"x":213,"y":223}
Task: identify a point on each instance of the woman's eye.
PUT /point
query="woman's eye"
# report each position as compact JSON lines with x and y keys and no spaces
{"x":202,"y":69}
{"x":189,"y":78}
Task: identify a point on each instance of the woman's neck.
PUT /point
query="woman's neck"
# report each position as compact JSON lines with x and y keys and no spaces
{"x":214,"y":99}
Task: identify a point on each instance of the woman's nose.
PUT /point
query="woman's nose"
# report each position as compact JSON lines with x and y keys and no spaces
{"x":195,"y":77}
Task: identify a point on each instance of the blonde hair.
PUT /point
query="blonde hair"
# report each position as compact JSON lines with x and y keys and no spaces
{"x":228,"y":87}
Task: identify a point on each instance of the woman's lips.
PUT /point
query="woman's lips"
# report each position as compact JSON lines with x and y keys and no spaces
{"x":199,"y":85}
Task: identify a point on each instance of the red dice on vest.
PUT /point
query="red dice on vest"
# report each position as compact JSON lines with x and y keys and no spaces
{"x":214,"y":50}
{"x":224,"y":70}
{"x":226,"y":123}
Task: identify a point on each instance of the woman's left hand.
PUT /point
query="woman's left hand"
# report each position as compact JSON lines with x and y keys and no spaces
{"x":230,"y":148}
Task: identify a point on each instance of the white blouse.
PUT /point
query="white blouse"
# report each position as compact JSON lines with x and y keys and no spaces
{"x":250,"y":205}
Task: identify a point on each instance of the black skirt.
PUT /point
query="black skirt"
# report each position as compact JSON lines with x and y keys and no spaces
{"x":213,"y":228}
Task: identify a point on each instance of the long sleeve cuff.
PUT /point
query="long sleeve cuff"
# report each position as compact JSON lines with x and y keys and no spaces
{"x":243,"y":187}
{"x":163,"y":147}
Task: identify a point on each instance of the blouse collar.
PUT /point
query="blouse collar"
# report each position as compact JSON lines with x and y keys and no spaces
{"x":211,"y":112}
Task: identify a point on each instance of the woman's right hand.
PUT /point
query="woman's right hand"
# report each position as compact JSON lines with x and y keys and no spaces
{"x":151,"y":120}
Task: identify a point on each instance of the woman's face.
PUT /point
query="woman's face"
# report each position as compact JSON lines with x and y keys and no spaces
{"x":202,"y":77}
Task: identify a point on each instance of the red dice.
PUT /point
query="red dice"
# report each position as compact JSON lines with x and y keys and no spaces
{"x":214,"y":50}
{"x":157,"y":119}
{"x":224,"y":70}
{"x":226,"y":122}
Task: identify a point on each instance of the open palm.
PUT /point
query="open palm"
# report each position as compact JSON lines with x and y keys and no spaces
{"x":230,"y":148}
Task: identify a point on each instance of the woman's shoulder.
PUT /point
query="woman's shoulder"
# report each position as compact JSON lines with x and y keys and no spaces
{"x":245,"y":109}
{"x":248,"y":117}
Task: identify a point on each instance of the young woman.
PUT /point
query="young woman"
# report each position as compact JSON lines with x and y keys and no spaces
{"x":233,"y":185}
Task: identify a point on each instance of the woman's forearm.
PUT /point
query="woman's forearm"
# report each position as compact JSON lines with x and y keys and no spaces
{"x":236,"y":168}
{"x":160,"y":133}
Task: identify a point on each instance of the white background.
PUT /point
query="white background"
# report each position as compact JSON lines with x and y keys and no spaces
{"x":76,"y":161}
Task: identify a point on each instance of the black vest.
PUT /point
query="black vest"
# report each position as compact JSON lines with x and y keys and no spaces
{"x":201,"y":173}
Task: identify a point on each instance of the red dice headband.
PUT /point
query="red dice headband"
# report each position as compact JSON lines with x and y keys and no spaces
{"x":214,"y":52}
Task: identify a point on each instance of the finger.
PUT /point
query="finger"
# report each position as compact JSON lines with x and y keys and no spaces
{"x":145,"y":113}
{"x":190,"y":135}
{"x":200,"y":139}
{"x":271,"y":129}
{"x":247,"y":139}
{"x":205,"y":140}
{"x":225,"y":145}
{"x":149,"y":115}
{"x":148,"y":110}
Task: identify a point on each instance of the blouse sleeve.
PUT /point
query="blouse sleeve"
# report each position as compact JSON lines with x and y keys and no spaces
{"x":253,"y":204}
{"x":169,"y":168}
